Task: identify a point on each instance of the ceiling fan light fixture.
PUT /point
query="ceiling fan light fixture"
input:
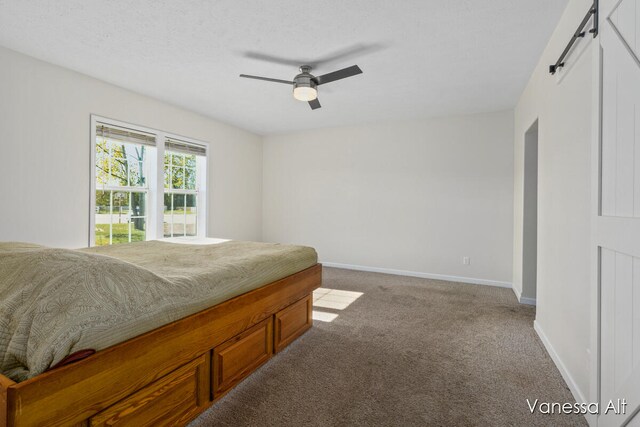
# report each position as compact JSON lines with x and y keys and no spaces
{"x":304,"y":85}
{"x":305,"y":93}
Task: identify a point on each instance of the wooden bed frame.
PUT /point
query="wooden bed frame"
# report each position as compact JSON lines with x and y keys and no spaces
{"x":171,"y":374}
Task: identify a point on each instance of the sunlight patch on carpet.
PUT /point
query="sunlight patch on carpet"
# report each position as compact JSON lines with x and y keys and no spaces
{"x":332,"y":299}
{"x":323,"y":316}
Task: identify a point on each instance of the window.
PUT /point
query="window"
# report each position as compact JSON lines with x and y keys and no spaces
{"x":180,"y":188}
{"x":136,"y":197}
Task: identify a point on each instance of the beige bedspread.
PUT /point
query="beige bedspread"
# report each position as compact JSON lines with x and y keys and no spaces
{"x":54,"y":302}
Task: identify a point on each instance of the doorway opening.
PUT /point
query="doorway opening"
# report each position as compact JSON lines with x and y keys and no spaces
{"x":530,"y":217}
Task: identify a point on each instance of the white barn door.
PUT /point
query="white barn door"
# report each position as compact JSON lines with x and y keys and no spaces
{"x":617,"y":230}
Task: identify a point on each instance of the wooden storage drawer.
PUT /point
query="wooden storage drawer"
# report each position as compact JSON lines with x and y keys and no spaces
{"x":292,"y":322}
{"x":172,"y":400}
{"x":237,"y":358}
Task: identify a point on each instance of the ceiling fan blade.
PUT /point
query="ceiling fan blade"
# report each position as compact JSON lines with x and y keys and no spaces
{"x":246,"y":76}
{"x":337,"y":75}
{"x":315,"y":104}
{"x":351,"y":52}
{"x":274,"y":59}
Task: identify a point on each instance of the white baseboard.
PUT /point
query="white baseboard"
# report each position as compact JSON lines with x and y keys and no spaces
{"x":527,"y":301}
{"x":575,"y":390}
{"x":523,"y":300}
{"x":418,"y":274}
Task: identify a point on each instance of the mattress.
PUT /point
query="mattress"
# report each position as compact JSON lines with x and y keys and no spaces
{"x":55,"y":302}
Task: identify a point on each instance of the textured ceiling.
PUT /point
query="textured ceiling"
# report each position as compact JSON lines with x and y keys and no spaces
{"x":420,"y":58}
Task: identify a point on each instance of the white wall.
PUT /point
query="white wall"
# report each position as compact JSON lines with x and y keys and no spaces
{"x":415,"y":196}
{"x":45,"y":145}
{"x":563,"y":106}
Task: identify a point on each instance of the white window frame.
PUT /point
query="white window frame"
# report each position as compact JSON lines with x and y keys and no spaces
{"x":155,"y":188}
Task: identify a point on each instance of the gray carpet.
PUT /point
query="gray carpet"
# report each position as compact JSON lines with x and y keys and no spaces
{"x":407,"y":352}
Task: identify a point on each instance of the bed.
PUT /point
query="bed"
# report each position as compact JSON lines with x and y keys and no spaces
{"x":173,"y":326}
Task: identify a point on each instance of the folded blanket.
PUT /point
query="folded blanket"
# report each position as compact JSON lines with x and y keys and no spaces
{"x":54,"y":302}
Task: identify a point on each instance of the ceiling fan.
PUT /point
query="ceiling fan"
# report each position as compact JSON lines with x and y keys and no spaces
{"x":305,"y":84}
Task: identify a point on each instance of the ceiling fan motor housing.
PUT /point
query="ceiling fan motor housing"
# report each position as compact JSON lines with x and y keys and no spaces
{"x":304,"y":79}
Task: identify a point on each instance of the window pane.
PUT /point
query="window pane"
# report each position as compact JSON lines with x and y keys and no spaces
{"x":190,"y":178}
{"x":103,"y":218}
{"x":167,"y":215}
{"x":167,"y":176}
{"x":102,"y":162}
{"x":137,"y":228}
{"x":118,"y":175}
{"x":137,"y":220}
{"x":178,"y":159}
{"x":135,"y":157}
{"x":120,"y":217}
{"x":120,"y":212}
{"x":178,"y":215}
{"x":167,"y":203}
{"x":138,"y":204}
{"x":178,"y":203}
{"x":180,"y":171}
{"x":191,"y":217}
{"x":177,"y":180}
{"x":120,"y":164}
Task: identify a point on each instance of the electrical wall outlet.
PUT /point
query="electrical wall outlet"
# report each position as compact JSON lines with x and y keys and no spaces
{"x":466,"y":260}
